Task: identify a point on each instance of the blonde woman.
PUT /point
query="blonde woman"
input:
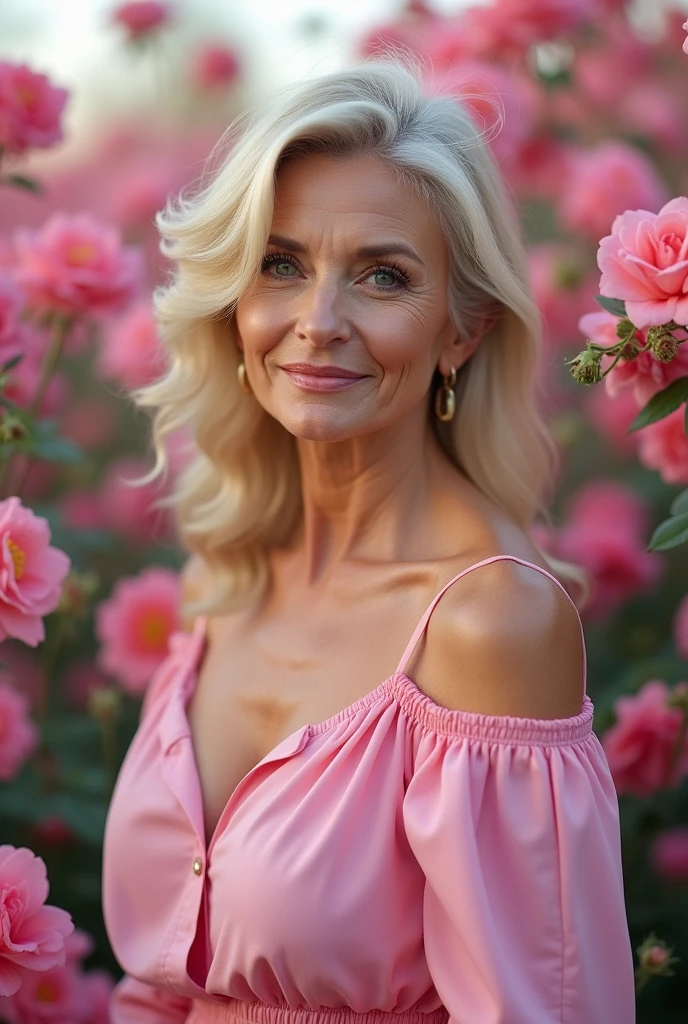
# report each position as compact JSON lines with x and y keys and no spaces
{"x":365,"y":785}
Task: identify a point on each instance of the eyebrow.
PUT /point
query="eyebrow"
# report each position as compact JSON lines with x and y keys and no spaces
{"x":374,"y":251}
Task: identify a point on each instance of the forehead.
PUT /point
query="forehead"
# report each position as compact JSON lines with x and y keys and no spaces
{"x":318,"y":191}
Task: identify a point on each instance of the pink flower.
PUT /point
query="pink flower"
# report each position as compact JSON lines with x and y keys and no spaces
{"x":668,"y":854}
{"x":644,"y":375}
{"x":131,"y":351}
{"x":685,"y":41}
{"x":214,"y":66}
{"x":18,"y":734}
{"x":77,"y":265}
{"x":644,"y":262}
{"x":82,"y":509}
{"x":603,"y":182}
{"x":128,"y":510}
{"x":611,"y":418}
{"x":664,"y":446}
{"x":639,"y":745}
{"x":141,"y":17}
{"x":24,"y":670}
{"x":30,"y":109}
{"x":55,"y":996}
{"x":561,"y":286}
{"x":605,"y":534}
{"x":511,"y":27}
{"x":681,"y":628}
{"x":32,"y":934}
{"x":32,"y":572}
{"x":134,"y":626}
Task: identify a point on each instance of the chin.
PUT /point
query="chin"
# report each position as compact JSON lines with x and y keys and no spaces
{"x":322,"y":424}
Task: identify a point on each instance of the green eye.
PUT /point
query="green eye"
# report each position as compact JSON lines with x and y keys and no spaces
{"x":284,"y":269}
{"x":390,"y":282}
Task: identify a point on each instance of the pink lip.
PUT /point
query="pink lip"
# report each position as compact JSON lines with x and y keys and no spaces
{"x":320,"y":371}
{"x":320,"y":382}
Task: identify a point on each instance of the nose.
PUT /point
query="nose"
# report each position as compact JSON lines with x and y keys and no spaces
{"x":321,"y":316}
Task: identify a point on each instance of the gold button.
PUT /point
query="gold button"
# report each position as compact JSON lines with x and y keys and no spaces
{"x":197,"y":866}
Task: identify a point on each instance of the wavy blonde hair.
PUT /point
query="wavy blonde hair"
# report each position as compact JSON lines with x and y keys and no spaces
{"x":241,"y":493}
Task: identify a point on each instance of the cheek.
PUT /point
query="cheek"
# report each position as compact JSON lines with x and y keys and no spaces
{"x":259,"y":324}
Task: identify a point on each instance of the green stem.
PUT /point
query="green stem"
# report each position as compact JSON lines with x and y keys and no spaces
{"x":50,"y":651}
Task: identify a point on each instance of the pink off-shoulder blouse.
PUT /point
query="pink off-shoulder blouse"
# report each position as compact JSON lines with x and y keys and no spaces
{"x":398,"y":863}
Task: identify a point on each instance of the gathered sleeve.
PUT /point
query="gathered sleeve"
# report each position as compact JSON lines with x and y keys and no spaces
{"x":515,"y":824}
{"x":134,"y":1002}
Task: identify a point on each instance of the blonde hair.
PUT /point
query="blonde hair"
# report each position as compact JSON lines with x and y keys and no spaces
{"x":241,"y":494}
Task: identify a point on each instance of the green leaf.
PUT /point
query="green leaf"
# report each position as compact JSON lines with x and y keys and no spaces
{"x":56,"y":449}
{"x":662,"y":404}
{"x":21,"y":181}
{"x":679,"y":504}
{"x":614,"y":306}
{"x":11,"y":363}
{"x":670,"y":534}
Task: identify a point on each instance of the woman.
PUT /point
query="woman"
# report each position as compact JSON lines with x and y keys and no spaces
{"x":353,"y":349}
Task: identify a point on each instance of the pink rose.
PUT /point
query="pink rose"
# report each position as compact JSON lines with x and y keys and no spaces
{"x":135,"y":624}
{"x":639,"y":745}
{"x":214,"y":66}
{"x":76,"y":265}
{"x":603,"y":182}
{"x":131,"y":351}
{"x":32,"y":573}
{"x":18,"y":734}
{"x":644,"y":375}
{"x":664,"y":446}
{"x":141,"y":17}
{"x":30,"y":109}
{"x":668,"y":854}
{"x":32,"y":934}
{"x":644,"y":262}
{"x":681,"y":628}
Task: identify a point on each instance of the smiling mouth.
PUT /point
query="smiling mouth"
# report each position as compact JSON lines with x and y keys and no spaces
{"x":309,"y":381}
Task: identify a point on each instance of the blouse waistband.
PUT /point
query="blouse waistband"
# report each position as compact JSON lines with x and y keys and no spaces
{"x":238,"y":1011}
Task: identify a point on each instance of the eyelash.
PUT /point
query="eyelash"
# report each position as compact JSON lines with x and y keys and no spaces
{"x":384,"y":268}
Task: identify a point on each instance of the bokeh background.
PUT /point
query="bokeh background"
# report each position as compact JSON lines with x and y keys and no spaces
{"x":594,"y":96}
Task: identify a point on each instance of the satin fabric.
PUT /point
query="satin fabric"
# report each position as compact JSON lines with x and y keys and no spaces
{"x":398,"y":862}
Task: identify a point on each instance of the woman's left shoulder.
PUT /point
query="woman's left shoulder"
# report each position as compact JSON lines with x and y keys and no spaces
{"x":505,"y":639}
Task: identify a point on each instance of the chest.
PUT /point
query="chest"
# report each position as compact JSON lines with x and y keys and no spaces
{"x":259,"y":681}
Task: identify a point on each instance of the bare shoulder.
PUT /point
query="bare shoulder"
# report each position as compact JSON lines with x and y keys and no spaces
{"x":505,"y":640}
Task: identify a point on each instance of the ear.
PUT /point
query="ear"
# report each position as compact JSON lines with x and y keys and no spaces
{"x":459,"y":350}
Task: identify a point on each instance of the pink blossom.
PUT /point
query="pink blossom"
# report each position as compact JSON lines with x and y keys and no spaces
{"x":32,"y":934}
{"x":664,"y":446}
{"x":214,"y":66}
{"x":30,"y":109}
{"x":23,"y":670}
{"x":55,"y":996}
{"x":511,"y":27}
{"x":127,"y":509}
{"x":541,"y":167}
{"x":134,"y":626}
{"x":18,"y":734}
{"x":99,"y":985}
{"x":82,"y":509}
{"x":644,"y":375}
{"x":685,"y":41}
{"x":76,"y":265}
{"x":605,"y":534}
{"x":32,"y":572}
{"x":611,"y":418}
{"x":602,"y":183}
{"x":141,"y":17}
{"x":561,"y":286}
{"x":141,"y":189}
{"x":131,"y":351}
{"x":644,"y":262}
{"x":668,"y":854}
{"x":680,"y":628}
{"x":639,"y":745}
{"x":651,"y":109}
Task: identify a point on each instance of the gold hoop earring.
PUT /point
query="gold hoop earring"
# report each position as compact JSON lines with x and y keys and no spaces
{"x":445,"y":399}
{"x":243,"y":378}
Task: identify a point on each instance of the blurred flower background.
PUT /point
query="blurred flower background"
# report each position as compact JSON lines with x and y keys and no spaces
{"x":105,"y":109}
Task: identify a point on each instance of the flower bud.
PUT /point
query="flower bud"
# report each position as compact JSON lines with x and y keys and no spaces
{"x":662,"y":344}
{"x":12,"y":428}
{"x":654,"y":957}
{"x":625,"y":329}
{"x":585,"y":369}
{"x":104,"y":704}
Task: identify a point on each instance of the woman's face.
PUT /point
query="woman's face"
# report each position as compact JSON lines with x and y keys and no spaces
{"x":354,"y":279}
